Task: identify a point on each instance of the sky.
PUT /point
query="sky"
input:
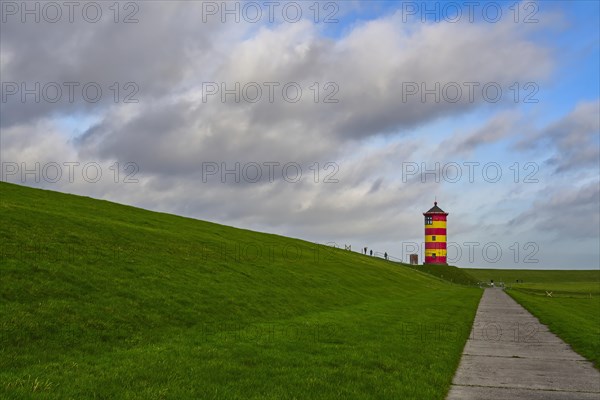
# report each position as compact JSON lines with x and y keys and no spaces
{"x":334,"y":122}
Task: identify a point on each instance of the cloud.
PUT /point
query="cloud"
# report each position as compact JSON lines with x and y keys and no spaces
{"x":172,"y":132}
{"x":572,"y":212}
{"x":160,"y":53}
{"x":574,"y":139}
{"x":498,"y":127}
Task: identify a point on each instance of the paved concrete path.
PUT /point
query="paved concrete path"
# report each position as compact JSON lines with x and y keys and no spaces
{"x":511,"y":356}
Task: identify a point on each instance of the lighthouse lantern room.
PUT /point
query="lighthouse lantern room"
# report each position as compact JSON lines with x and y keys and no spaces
{"x":435,"y":235}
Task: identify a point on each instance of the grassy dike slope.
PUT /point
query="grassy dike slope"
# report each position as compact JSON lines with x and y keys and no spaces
{"x":101,"y":300}
{"x":573,"y":311}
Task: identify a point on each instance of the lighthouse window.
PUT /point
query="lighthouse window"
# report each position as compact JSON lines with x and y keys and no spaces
{"x":429,"y":220}
{"x":433,"y":238}
{"x":433,"y":255}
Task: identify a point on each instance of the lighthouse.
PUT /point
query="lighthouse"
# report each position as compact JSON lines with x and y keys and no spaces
{"x":435,"y":235}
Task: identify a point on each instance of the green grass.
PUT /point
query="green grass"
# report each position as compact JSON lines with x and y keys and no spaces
{"x":560,"y":289}
{"x":101,"y":300}
{"x":573,"y":311}
{"x":510,"y":276}
{"x":446,"y":272}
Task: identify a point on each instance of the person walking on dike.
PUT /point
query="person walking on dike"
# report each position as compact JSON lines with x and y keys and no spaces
{"x":371,"y":252}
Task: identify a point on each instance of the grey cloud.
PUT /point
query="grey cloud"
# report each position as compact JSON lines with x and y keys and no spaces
{"x":168,"y":45}
{"x":172,"y":129}
{"x":376,"y":185}
{"x":574,"y":139}
{"x":568,"y":213}
{"x":498,"y":127}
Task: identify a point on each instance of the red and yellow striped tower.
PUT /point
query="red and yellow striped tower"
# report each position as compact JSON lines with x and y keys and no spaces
{"x":435,"y":235}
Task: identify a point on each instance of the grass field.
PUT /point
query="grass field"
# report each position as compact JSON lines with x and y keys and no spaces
{"x":510,"y":276}
{"x":447,"y":272}
{"x":573,"y":311}
{"x":100,"y":300}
